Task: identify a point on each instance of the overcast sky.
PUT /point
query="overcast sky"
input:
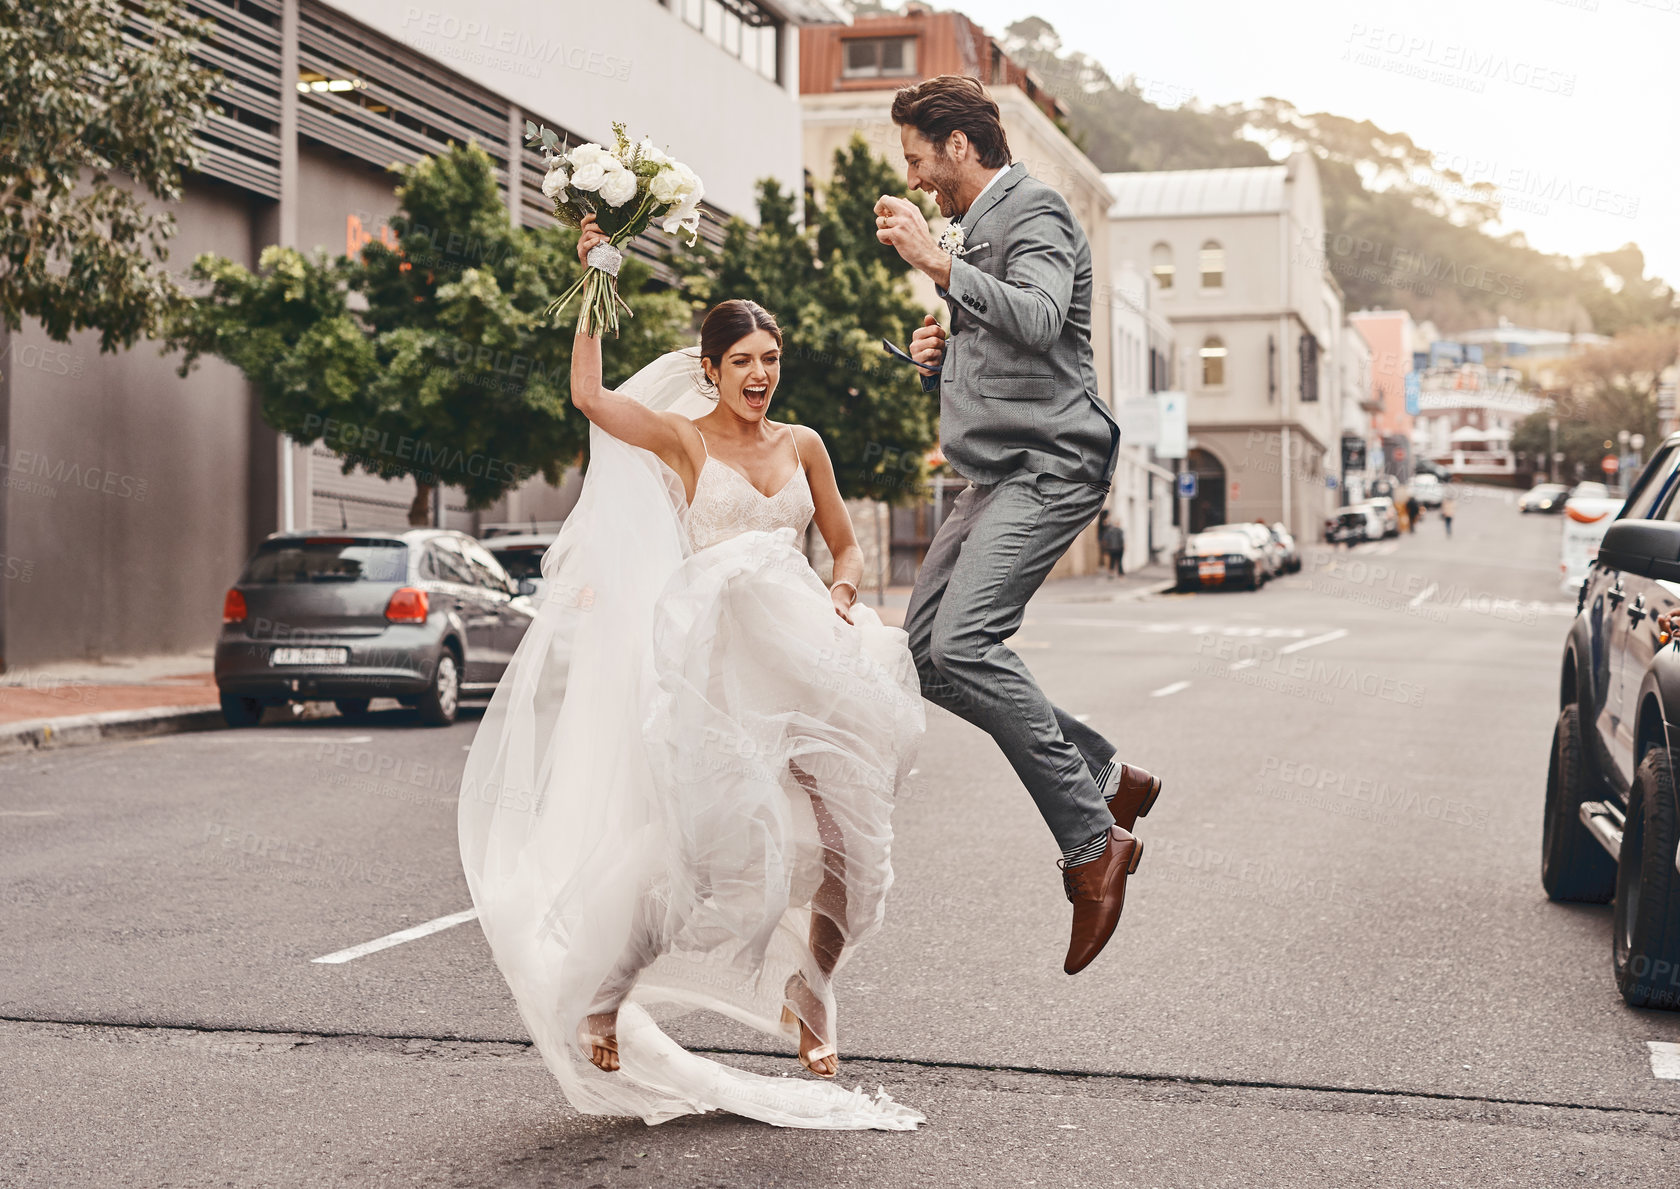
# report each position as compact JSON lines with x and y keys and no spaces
{"x":1572,"y":107}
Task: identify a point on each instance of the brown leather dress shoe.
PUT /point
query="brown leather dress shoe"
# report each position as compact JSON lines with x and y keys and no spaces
{"x":1134,"y":796}
{"x":1098,"y":892}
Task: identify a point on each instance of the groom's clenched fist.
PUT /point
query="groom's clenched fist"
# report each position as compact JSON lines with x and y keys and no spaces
{"x":900,"y":223}
{"x":927,"y":344}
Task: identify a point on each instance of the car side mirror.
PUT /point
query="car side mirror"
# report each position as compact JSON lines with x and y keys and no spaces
{"x":1648,"y":548}
{"x":527,"y":587}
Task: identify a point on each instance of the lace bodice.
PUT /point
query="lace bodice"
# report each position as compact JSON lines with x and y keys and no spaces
{"x":726,"y":504}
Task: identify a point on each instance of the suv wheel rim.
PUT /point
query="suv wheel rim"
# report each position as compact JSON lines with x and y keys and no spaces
{"x":447,"y":686}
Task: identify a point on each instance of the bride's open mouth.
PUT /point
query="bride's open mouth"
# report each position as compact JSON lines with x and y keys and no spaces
{"x":756,"y":398}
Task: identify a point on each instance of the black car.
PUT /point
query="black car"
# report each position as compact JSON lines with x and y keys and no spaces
{"x":1612,"y":821}
{"x":426,"y":616}
{"x":1220,"y":557}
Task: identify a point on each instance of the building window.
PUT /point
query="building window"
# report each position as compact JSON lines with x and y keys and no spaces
{"x":1161,"y":265}
{"x":1309,"y":368}
{"x":741,"y":28}
{"x":879,"y":57}
{"x":1213,"y":265}
{"x":1213,"y":362}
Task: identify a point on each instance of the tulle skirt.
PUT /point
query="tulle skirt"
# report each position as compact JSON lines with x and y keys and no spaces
{"x":690,"y":757}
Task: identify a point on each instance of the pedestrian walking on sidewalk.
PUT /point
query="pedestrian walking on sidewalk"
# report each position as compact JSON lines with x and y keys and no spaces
{"x":1112,"y":540}
{"x":1448,"y":508}
{"x":1023,"y":423}
{"x":1413,"y":511}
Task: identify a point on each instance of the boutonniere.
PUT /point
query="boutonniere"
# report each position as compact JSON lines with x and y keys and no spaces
{"x":951,"y":241}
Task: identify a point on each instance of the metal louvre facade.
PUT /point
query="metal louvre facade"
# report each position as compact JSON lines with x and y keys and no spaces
{"x":369,"y":97}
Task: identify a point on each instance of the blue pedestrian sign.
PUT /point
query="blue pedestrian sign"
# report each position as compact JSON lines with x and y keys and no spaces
{"x":1187,"y":485}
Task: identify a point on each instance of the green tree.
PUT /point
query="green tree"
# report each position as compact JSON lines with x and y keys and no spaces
{"x":431,"y":359}
{"x":1606,"y":389}
{"x":90,"y":89}
{"x":837,"y":292}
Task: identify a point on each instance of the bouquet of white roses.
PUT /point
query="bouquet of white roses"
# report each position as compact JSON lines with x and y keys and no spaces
{"x":626,"y":188}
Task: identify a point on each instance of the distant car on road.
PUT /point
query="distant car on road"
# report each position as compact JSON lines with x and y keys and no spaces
{"x":1428,"y":490}
{"x":1271,"y":555}
{"x":1543,"y":497}
{"x":1384,"y":507}
{"x":521,"y":556}
{"x":1355,"y":525}
{"x":1612,"y":816}
{"x":425,"y":616}
{"x":1220,"y":558}
{"x":1286,"y":544}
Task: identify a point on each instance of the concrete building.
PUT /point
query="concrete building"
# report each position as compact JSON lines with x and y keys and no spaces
{"x":848,"y":76}
{"x":1143,"y":348}
{"x":1393,"y":338}
{"x":1237,"y":259}
{"x":134,"y":496}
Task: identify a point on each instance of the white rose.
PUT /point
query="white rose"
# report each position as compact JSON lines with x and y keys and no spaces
{"x":589,"y":177}
{"x":555,"y":181}
{"x":619,"y":186}
{"x":647,"y":151}
{"x":668,"y":185}
{"x":588,"y":154}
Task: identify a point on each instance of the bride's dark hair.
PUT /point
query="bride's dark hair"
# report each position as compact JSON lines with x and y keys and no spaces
{"x":727,"y":323}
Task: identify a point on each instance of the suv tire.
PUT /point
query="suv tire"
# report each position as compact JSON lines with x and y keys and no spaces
{"x":1647,"y":915}
{"x":440,"y":704}
{"x":1573,"y":866}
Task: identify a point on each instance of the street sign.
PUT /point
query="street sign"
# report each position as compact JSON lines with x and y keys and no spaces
{"x":1353,"y":453}
{"x":1187,"y":485}
{"x":1414,"y":389}
{"x":1174,"y":430}
{"x":1610,"y":465}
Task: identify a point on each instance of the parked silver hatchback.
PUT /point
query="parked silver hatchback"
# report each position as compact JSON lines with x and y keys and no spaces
{"x":426,"y":616}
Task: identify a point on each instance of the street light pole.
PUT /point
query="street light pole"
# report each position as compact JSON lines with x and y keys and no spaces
{"x":1552,"y":424}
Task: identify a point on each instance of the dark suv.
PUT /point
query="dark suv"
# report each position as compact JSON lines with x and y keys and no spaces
{"x":424,"y":616}
{"x":1611,"y":809}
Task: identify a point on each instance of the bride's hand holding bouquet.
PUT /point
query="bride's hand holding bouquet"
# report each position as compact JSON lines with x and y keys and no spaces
{"x":620,"y":191}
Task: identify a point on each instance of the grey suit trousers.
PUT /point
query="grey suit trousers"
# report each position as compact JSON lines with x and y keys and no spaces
{"x":988,"y":558}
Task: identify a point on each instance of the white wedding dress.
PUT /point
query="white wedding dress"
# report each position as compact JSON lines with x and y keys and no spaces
{"x":636,"y":812}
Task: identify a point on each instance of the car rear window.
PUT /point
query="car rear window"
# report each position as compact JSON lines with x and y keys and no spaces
{"x":327,"y":559}
{"x":522,"y":561}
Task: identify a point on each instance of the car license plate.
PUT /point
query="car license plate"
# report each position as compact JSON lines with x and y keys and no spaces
{"x":309,"y":656}
{"x":1211,"y":570}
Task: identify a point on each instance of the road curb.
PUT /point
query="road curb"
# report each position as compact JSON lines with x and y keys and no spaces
{"x":44,"y":734}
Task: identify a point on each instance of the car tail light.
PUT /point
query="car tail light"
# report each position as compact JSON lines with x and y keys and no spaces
{"x":233,"y":608}
{"x":408,"y":605}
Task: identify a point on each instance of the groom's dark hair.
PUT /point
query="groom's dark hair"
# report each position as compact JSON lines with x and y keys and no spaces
{"x":941,"y":105}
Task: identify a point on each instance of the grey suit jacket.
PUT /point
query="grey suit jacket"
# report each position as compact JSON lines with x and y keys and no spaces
{"x":1018,"y":386}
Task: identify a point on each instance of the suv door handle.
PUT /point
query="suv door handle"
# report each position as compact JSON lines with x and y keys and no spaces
{"x":1615,"y":594}
{"x":1636,"y":610}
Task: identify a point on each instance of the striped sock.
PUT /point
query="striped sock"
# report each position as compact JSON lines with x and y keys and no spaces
{"x":1086,"y":852}
{"x":1108,"y":780}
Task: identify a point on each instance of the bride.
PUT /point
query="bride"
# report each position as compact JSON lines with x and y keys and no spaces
{"x":680,"y":795}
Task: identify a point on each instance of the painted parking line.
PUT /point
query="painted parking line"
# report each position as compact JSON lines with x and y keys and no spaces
{"x":1665,"y":1059}
{"x":391,"y":939}
{"x":1167,"y":690}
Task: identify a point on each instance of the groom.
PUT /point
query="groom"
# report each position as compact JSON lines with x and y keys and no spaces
{"x":1021,"y":420}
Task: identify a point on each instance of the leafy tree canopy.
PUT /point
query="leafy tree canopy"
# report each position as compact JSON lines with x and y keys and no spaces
{"x":90,"y":90}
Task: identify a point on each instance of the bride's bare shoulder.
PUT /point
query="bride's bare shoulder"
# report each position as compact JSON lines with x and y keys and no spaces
{"x":809,"y":441}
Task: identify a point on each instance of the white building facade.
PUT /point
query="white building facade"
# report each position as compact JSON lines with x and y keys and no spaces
{"x":1237,"y":256}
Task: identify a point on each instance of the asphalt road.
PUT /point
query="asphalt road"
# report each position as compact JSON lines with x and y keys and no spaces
{"x":1336,"y":965}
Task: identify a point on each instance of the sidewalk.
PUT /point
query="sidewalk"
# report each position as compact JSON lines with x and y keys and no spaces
{"x":88,"y":701}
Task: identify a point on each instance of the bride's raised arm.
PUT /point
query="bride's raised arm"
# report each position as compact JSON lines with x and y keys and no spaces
{"x":671,"y":436}
{"x":832,"y":519}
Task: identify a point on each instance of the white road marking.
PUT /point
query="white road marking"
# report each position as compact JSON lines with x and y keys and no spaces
{"x":1192,"y":628}
{"x":1665,"y":1059}
{"x":1316,"y":640}
{"x":1295,"y":647}
{"x":1165,"y":690}
{"x":360,"y":739}
{"x":391,"y":939}
{"x":1422,"y":596}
